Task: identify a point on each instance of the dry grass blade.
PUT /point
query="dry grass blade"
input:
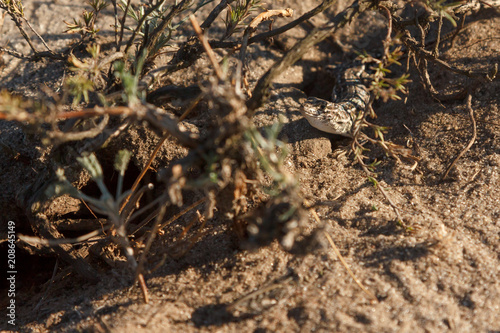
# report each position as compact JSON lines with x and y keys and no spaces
{"x":266,"y":16}
{"x":144,"y":288}
{"x":341,"y":258}
{"x":60,"y":241}
{"x":184,"y":211}
{"x":337,"y":252}
{"x":471,"y":141}
{"x":155,"y":153}
{"x":206,"y":46}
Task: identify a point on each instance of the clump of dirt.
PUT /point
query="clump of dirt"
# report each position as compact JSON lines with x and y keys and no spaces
{"x":438,"y":272}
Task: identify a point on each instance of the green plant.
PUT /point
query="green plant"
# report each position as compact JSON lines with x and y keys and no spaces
{"x":86,"y":26}
{"x":237,"y":13}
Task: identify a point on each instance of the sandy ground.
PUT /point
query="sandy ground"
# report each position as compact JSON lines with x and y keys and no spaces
{"x":439,"y":273}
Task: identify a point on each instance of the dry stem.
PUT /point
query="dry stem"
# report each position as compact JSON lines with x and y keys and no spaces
{"x":471,"y":141}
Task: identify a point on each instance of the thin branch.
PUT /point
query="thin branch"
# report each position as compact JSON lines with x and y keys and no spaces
{"x":184,"y":211}
{"x":339,"y":255}
{"x":38,"y":35}
{"x":438,"y":36}
{"x":140,"y":23}
{"x":471,"y":141}
{"x":149,"y":242}
{"x":122,"y":25}
{"x":206,"y":46}
{"x":77,"y":136}
{"x":341,"y":258}
{"x":166,"y":20}
{"x":387,"y":40}
{"x":259,"y":94}
{"x":14,"y":53}
{"x":155,"y":152}
{"x":265,"y":16}
{"x":194,"y":50}
{"x":145,"y":220}
{"x":115,"y":10}
{"x":18,"y":23}
{"x":422,"y":53}
{"x":49,"y":285}
{"x":155,"y":116}
{"x":60,"y":241}
{"x":215,"y":13}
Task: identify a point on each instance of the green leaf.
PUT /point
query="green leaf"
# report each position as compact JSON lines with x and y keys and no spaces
{"x":121,"y":161}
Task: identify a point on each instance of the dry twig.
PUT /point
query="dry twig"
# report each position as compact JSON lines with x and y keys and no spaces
{"x":341,"y":258}
{"x":471,"y":141}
